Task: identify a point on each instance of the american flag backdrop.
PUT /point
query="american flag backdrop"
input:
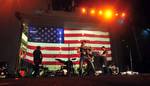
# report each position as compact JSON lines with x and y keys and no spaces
{"x":63,"y":43}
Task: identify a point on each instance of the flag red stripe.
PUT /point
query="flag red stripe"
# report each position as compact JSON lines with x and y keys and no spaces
{"x":53,"y":48}
{"x":60,"y":55}
{"x":87,"y":41}
{"x":57,"y":55}
{"x":86,"y":35}
{"x":62,"y":48}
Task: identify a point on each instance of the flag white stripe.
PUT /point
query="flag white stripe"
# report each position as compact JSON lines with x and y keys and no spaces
{"x":87,"y":38}
{"x":86,"y":32}
{"x":66,"y":45}
{"x":59,"y":52}
{"x":98,"y":45}
{"x":53,"y":59}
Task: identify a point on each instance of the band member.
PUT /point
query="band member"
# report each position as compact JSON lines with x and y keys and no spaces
{"x":86,"y":56}
{"x":83,"y":56}
{"x":103,"y":54}
{"x":37,"y":60}
{"x":90,"y":64}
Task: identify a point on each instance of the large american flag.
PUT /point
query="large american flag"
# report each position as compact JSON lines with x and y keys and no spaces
{"x":63,"y":43}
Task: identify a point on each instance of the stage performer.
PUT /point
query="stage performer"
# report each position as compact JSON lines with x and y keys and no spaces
{"x":104,"y":53}
{"x":83,"y":57}
{"x":37,"y":54}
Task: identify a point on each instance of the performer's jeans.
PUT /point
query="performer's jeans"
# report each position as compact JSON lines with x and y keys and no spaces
{"x":36,"y":70}
{"x":90,"y":68}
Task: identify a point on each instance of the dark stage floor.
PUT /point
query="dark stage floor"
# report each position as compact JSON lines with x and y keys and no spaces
{"x":136,"y":80}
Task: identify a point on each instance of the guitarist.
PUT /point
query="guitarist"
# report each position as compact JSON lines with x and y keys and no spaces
{"x":103,"y":54}
{"x":83,"y":57}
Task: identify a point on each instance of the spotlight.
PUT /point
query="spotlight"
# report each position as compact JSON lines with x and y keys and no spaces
{"x":123,"y":14}
{"x":108,"y":14}
{"x":100,"y":12}
{"x":92,"y":12}
{"x":116,"y":14}
{"x":83,"y":10}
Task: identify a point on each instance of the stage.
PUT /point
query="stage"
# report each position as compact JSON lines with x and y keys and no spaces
{"x":119,"y":80}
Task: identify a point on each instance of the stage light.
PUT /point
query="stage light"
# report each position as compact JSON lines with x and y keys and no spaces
{"x":92,"y":12}
{"x":148,"y":29}
{"x":108,"y":14}
{"x":83,"y":10}
{"x":116,"y":14}
{"x":100,"y":12}
{"x":145,"y":33}
{"x":123,"y":15}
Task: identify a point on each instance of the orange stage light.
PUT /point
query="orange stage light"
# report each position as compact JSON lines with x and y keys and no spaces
{"x":108,"y":14}
{"x":116,"y":14}
{"x":100,"y":12}
{"x":92,"y":11}
{"x":123,"y":14}
{"x":83,"y":10}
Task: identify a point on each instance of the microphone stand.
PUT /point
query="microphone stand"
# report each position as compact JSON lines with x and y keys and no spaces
{"x":130,"y":70}
{"x":131,"y":60}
